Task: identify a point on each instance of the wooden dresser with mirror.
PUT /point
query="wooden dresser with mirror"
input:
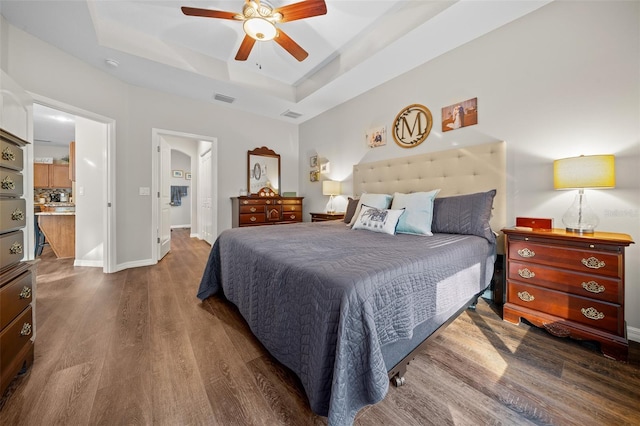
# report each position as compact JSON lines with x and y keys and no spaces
{"x":264,"y":205}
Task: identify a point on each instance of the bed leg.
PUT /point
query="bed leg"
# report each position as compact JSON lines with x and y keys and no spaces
{"x":473,"y":305}
{"x":397,"y":380}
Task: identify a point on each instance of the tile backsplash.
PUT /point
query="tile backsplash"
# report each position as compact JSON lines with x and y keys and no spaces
{"x":46,"y":193}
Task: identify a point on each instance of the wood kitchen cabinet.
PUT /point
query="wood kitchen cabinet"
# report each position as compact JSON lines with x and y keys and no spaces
{"x":51,"y":176}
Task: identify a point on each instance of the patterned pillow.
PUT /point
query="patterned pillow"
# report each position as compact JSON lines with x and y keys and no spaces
{"x":464,"y":214}
{"x":378,"y":220}
{"x":379,"y":201}
{"x":418,"y":212}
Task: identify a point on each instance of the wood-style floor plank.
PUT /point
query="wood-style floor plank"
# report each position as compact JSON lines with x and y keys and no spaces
{"x":137,"y":348}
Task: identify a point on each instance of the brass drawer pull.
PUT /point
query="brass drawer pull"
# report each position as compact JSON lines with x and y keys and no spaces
{"x":253,"y":219}
{"x":26,"y":329}
{"x":8,"y":155}
{"x":526,"y":296}
{"x":526,"y":273}
{"x":293,"y":216}
{"x":245,"y":201}
{"x":7,"y":183}
{"x":16,"y":248}
{"x":593,"y":263}
{"x":592,"y":313}
{"x":25,"y":293}
{"x":253,"y":209}
{"x":17,"y":215}
{"x":593,"y":287}
{"x":525,"y":252}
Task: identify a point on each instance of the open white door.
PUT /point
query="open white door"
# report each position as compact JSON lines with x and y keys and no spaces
{"x":164,"y":199}
{"x":206,"y":214}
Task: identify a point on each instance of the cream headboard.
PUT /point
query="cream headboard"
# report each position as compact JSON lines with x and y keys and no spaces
{"x":459,"y":171}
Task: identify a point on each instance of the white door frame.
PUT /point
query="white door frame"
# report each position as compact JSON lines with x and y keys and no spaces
{"x":109,"y":178}
{"x":156,"y":133}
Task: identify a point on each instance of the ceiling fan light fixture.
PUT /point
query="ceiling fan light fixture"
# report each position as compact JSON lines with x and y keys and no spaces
{"x":260,"y":29}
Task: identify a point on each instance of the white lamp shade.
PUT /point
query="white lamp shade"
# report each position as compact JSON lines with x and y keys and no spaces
{"x":591,"y":171}
{"x":330,"y":187}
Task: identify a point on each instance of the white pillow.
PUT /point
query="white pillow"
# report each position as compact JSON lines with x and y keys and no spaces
{"x":418,"y":212}
{"x":379,"y":201}
{"x":378,"y":220}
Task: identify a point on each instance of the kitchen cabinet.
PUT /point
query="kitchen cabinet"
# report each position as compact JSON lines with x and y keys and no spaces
{"x":51,"y":176}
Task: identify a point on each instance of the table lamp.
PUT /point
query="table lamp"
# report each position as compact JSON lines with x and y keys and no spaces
{"x":330,"y":187}
{"x":584,"y":172}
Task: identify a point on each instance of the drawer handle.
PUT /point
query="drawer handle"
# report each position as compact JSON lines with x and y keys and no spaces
{"x":245,"y":202}
{"x":593,"y":263}
{"x":593,"y":287}
{"x":526,"y":296}
{"x":26,"y":329}
{"x":8,"y":155}
{"x":16,"y":248}
{"x":253,"y":209}
{"x":526,"y":273}
{"x":293,"y":216}
{"x":253,"y":219}
{"x":525,"y":252}
{"x":7,"y":183}
{"x":17,"y":215}
{"x":25,"y":293}
{"x":592,"y":313}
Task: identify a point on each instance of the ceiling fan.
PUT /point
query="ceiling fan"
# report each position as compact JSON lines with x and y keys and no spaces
{"x":259,"y":23}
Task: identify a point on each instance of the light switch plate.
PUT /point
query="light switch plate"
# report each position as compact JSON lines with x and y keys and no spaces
{"x":145,"y":190}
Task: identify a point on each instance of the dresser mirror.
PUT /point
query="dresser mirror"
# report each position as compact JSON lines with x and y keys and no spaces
{"x":263,"y":171}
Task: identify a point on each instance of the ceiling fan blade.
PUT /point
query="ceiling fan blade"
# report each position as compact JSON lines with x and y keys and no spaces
{"x":291,"y":46}
{"x":301,"y":10}
{"x":207,"y":13}
{"x":245,"y":48}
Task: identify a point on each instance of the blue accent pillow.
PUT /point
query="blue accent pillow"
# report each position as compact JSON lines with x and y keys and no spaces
{"x":464,"y":214}
{"x":418,"y":212}
{"x":378,"y":220}
{"x":379,"y":201}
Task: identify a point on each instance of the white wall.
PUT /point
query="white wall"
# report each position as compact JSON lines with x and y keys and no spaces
{"x":181,"y":215}
{"x":45,"y":70}
{"x":89,"y":192}
{"x":560,"y":82}
{"x":54,"y":151}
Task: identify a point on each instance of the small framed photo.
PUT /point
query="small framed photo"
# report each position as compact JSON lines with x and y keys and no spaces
{"x":187,"y":175}
{"x":461,"y":114}
{"x":313,"y":161}
{"x":325,"y":167}
{"x":376,"y":137}
{"x":313,"y":176}
{"x":177,"y":173}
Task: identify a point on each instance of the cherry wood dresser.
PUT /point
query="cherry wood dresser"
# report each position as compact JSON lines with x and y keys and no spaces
{"x":17,"y":278}
{"x":263,"y":210}
{"x":570,"y":284}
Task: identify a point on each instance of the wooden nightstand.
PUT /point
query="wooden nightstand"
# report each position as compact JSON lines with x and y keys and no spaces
{"x":321,"y":217}
{"x":570,"y":284}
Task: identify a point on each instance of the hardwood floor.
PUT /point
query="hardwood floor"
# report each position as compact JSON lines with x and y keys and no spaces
{"x":137,"y":347}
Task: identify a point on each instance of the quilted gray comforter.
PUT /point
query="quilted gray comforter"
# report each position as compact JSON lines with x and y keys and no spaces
{"x":324,"y":299}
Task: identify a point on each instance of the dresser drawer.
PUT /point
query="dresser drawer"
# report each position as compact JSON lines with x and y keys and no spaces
{"x":14,"y":297}
{"x":15,"y":337}
{"x":587,"y":261}
{"x":595,"y":314}
{"x":11,"y":248}
{"x":292,"y":216}
{"x":13,"y":214}
{"x":595,"y":287}
{"x":292,"y":202}
{"x":292,"y":208}
{"x":10,"y":155}
{"x":251,"y":209}
{"x":10,"y":183}
{"x":252,"y":219}
{"x":252,"y":202}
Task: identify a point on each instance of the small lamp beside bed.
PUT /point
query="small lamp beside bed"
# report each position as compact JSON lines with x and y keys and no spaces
{"x":331,"y":188}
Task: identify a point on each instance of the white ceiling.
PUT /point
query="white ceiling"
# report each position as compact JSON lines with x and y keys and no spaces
{"x":357,"y":45}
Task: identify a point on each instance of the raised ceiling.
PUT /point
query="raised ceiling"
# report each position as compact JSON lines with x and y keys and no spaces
{"x":356,"y":46}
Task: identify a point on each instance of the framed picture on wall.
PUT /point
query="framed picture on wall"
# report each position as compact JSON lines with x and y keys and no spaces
{"x":313,"y":176}
{"x":177,"y":173}
{"x":187,"y":175}
{"x":313,"y":161}
{"x":461,"y":114}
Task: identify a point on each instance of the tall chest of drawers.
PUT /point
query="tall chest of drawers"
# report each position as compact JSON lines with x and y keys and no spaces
{"x":257,"y":211}
{"x":570,"y":284}
{"x":17,"y":278}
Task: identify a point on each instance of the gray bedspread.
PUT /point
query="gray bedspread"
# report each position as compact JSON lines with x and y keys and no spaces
{"x":324,"y":299}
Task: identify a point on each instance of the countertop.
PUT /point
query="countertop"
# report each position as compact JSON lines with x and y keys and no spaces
{"x":55,"y":213}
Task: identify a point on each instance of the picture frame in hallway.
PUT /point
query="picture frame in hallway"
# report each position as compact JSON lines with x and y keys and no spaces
{"x":177,"y":173}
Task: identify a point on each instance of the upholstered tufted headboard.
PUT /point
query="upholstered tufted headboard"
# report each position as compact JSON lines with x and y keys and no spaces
{"x":458,"y":171}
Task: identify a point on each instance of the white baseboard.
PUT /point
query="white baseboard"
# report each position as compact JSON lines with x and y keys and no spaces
{"x":136,"y":264}
{"x":180,"y":226}
{"x":633,"y":334}
{"x":196,"y":235}
{"x":91,"y":263}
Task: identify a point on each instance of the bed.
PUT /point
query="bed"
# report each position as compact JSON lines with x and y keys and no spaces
{"x":346,"y":308}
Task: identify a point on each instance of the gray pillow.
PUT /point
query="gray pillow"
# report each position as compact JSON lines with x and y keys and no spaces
{"x":464,"y":214}
{"x":351,"y":209}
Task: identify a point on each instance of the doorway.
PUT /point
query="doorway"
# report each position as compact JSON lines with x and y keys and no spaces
{"x":93,"y":194}
{"x":200,"y":183}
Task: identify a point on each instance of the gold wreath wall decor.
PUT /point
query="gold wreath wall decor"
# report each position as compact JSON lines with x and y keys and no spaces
{"x":412,"y":125}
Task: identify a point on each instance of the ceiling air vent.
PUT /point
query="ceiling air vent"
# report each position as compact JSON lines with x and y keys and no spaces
{"x":223,"y":98}
{"x":291,"y":114}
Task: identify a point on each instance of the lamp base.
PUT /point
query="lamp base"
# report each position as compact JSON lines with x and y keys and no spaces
{"x":580,"y":231}
{"x":580,"y":218}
